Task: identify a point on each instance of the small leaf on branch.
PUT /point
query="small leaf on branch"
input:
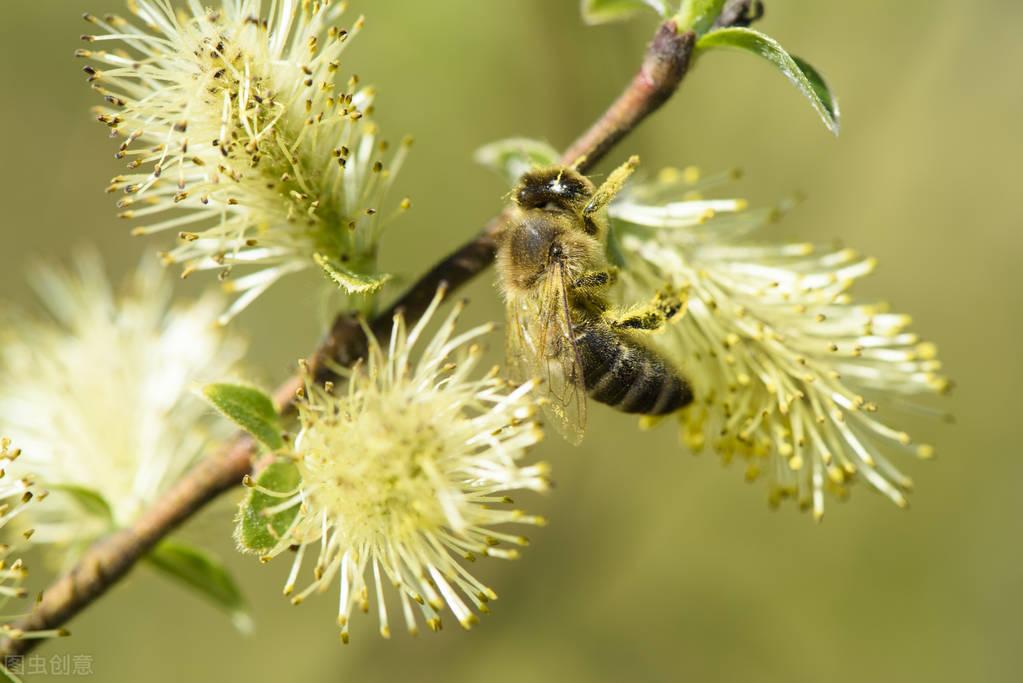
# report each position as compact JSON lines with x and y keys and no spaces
{"x":250,"y":409}
{"x":349,"y":280}
{"x":512,"y":157}
{"x":802,"y":75}
{"x":606,"y":11}
{"x":90,"y":501}
{"x":698,"y":15}
{"x":6,"y":676}
{"x":820,"y":88}
{"x":200,"y":571}
{"x":257,"y":527}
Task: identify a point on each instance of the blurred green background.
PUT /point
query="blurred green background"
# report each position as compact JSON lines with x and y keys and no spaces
{"x":657,"y":565}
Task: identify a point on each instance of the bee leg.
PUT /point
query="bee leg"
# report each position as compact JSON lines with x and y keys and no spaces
{"x":596,"y":279}
{"x":666,"y":306}
{"x":610,"y":187}
{"x":646,"y":319}
{"x":671,"y":302}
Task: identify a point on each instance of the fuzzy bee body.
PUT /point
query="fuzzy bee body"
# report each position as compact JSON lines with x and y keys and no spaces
{"x":555,"y":277}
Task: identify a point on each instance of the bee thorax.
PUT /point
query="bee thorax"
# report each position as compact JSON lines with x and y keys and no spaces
{"x":532,"y":242}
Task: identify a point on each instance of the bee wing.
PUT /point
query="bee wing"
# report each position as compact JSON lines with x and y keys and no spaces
{"x":541,"y":344}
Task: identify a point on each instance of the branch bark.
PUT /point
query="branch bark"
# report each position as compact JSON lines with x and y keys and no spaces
{"x":101,"y":566}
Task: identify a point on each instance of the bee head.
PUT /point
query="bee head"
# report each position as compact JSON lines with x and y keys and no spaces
{"x":556,"y":188}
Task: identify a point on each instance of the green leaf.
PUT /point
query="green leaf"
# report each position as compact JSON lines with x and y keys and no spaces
{"x":6,"y":676}
{"x":204,"y":574}
{"x":91,"y":502}
{"x":512,"y":157}
{"x":802,"y":75}
{"x":349,"y":280}
{"x":820,"y":88}
{"x":253,"y":525}
{"x":606,"y":11}
{"x":698,"y":15}
{"x":250,"y":409}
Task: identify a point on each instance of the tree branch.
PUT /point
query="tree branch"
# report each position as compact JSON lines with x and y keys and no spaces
{"x":663,"y":67}
{"x":102,"y":565}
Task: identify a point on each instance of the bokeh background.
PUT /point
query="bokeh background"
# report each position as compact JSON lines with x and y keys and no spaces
{"x":657,"y":565}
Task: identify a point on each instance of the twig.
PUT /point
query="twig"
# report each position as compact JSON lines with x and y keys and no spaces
{"x":663,"y":67}
{"x":102,"y":565}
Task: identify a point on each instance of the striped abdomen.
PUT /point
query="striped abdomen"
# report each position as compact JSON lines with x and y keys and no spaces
{"x":627,"y":375}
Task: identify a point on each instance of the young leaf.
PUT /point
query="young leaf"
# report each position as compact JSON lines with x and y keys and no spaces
{"x":802,"y":75}
{"x":255,"y":530}
{"x":6,"y":676}
{"x":605,"y":11}
{"x":349,"y":280}
{"x":698,"y":15}
{"x":512,"y":157}
{"x":91,"y":502}
{"x":820,"y":88}
{"x":204,"y":574}
{"x":250,"y":409}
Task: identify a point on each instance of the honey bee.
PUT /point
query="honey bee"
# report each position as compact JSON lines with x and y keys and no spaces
{"x":555,"y":276}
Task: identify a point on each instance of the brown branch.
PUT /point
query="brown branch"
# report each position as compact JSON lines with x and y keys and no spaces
{"x":102,"y":565}
{"x":663,"y":67}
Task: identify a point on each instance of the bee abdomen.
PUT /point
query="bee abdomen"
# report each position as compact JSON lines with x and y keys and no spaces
{"x":628,"y":376}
